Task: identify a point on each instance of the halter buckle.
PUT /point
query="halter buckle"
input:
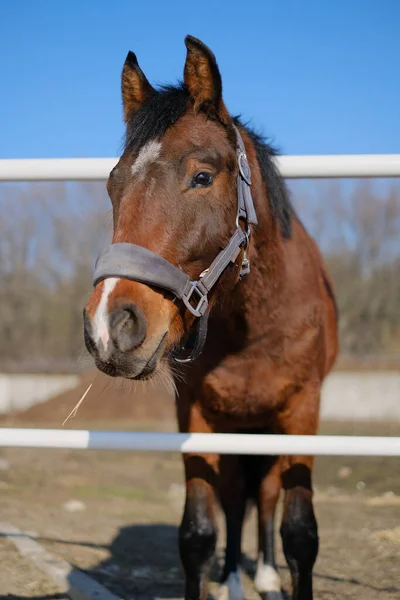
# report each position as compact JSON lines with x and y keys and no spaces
{"x":244,"y":167}
{"x":202,"y":303}
{"x":245,"y":268}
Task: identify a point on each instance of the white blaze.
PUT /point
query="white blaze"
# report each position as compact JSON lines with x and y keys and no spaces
{"x":147,"y":155}
{"x":100,"y":321}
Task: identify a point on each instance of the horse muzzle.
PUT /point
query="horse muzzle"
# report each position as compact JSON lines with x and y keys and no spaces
{"x":117,"y":346}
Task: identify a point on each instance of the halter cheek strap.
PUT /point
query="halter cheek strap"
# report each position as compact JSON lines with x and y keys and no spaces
{"x":129,"y":261}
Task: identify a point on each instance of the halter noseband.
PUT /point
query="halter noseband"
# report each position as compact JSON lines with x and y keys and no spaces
{"x":129,"y":261}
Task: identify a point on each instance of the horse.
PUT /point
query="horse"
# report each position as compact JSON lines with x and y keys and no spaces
{"x":211,"y":271}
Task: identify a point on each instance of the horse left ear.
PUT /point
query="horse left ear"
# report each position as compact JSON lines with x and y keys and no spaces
{"x":136,"y":89}
{"x":203,"y":79}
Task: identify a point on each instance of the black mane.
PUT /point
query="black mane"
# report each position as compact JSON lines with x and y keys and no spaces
{"x":167,"y":105}
{"x":278,"y":194}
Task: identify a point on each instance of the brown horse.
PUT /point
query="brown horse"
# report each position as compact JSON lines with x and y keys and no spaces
{"x":272,"y":335}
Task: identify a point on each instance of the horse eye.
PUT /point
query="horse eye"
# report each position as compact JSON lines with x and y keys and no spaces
{"x":203,"y":179}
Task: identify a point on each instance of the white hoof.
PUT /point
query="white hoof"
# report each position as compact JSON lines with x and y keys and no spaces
{"x":232,"y":588}
{"x":267,"y":579}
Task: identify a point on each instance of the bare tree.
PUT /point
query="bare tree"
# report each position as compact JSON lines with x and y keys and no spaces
{"x":50,"y":235}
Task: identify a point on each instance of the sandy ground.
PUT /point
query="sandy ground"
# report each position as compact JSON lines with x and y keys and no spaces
{"x":123,"y":528}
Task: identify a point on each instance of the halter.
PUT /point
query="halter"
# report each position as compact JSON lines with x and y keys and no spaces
{"x":129,"y":261}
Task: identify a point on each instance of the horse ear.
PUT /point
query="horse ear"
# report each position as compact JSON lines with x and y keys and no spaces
{"x":202,"y":77}
{"x":136,"y":90}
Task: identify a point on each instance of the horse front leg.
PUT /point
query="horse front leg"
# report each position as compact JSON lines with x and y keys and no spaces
{"x":198,"y":529}
{"x":299,"y":529}
{"x":197,"y":534}
{"x":267,"y":580}
{"x":233,"y":495}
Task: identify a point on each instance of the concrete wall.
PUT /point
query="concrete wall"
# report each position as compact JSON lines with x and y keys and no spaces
{"x":18,"y":392}
{"x":346,"y":395}
{"x":361,"y":396}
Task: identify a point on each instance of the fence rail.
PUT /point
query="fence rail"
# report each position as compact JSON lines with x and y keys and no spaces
{"x":219,"y":443}
{"x":293,"y":167}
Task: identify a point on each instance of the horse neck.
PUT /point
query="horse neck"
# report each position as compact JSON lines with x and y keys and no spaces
{"x":259,"y":295}
{"x":266,"y":250}
{"x":263,"y":291}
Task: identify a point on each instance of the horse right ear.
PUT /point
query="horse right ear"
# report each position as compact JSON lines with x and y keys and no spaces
{"x":203,"y":79}
{"x":136,"y":90}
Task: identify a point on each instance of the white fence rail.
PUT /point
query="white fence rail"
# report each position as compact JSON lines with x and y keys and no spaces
{"x":79,"y":169}
{"x":219,"y":443}
{"x":294,"y":167}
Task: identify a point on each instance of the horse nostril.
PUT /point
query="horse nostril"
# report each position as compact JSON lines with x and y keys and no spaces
{"x":128,"y":327}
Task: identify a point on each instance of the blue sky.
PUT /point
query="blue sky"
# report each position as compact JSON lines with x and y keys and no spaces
{"x":317,"y":76}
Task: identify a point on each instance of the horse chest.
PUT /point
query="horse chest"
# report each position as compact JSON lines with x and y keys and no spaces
{"x":233,"y":395}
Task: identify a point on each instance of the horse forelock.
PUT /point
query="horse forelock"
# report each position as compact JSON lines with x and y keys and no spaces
{"x":152,"y":120}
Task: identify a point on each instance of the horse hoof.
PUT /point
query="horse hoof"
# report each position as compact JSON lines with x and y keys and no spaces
{"x":231,"y":588}
{"x":272,"y":596}
{"x":268,"y":583}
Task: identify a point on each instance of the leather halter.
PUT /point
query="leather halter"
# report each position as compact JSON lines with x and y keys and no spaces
{"x":129,"y":261}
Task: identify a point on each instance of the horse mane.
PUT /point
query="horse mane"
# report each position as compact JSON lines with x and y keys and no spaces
{"x":167,"y":105}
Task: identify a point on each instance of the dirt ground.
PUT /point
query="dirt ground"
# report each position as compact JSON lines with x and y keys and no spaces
{"x":108,"y":400}
{"x":123,"y":528}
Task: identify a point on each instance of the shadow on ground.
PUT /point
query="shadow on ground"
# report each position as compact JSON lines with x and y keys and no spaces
{"x":144,"y":563}
{"x":45,"y":597}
